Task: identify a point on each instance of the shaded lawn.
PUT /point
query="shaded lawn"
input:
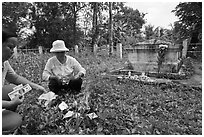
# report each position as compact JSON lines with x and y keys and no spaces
{"x":123,"y":106}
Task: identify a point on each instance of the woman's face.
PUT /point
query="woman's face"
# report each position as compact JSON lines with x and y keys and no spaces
{"x":7,"y":48}
{"x":60,"y":55}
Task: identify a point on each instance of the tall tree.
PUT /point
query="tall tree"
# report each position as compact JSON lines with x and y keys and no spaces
{"x":127,"y":23}
{"x":75,"y":8}
{"x":54,"y":20}
{"x":13,"y":14}
{"x":46,"y":20}
{"x":190,"y":24}
{"x":87,"y":18}
{"x":95,"y":28}
{"x":190,"y":17}
{"x":110,"y":29}
{"x":149,"y":31}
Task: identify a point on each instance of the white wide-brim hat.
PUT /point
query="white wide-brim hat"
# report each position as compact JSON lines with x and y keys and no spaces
{"x":58,"y":46}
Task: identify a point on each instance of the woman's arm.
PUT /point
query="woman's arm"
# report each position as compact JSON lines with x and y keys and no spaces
{"x":6,"y":104}
{"x":22,"y":80}
{"x":13,"y":103}
{"x":14,"y":78}
{"x":79,"y":68}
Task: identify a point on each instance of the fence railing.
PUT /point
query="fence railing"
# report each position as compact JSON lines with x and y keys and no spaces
{"x":120,"y":50}
{"x":32,"y":50}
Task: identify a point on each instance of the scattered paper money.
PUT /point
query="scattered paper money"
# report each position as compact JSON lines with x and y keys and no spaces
{"x":68,"y":114}
{"x":63,"y":106}
{"x":48,"y":97}
{"x":92,"y":115}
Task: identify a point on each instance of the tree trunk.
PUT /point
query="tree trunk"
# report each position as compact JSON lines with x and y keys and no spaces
{"x":95,"y":25}
{"x":74,"y":22}
{"x":110,"y":29}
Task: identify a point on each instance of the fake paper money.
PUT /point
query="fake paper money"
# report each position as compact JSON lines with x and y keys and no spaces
{"x":72,"y":114}
{"x":63,"y":106}
{"x":48,"y":97}
{"x":92,"y":115}
{"x":19,"y":90}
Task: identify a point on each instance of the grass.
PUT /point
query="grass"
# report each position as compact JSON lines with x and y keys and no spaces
{"x":123,"y":106}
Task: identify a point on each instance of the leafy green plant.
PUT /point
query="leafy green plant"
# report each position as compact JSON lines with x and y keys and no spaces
{"x":123,"y":107}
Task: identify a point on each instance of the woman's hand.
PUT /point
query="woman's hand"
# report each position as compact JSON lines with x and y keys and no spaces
{"x":39,"y":88}
{"x":79,"y":75}
{"x":16,"y":101}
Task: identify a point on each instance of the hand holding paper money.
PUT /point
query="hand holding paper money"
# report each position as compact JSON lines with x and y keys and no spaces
{"x":19,"y":90}
{"x":17,"y":100}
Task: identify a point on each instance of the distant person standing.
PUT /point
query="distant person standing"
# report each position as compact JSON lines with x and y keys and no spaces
{"x":11,"y":119}
{"x":63,"y":72}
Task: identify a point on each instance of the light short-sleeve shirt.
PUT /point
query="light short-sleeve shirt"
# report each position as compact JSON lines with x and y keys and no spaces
{"x":54,"y":67}
{"x":8,"y":73}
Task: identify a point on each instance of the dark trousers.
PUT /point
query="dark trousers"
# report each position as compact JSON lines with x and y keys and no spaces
{"x":73,"y":86}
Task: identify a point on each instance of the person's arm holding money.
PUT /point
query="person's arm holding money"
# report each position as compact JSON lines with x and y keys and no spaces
{"x":22,"y":80}
{"x":10,"y":119}
{"x":13,"y":103}
{"x":16,"y":79}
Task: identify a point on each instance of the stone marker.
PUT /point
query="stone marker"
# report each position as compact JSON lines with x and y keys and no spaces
{"x":15,"y":52}
{"x":40,"y":50}
{"x":185,"y":48}
{"x":76,"y":49}
{"x":119,"y":50}
{"x":95,"y":49}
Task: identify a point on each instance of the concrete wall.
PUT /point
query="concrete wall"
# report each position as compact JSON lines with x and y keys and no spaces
{"x":144,"y":57}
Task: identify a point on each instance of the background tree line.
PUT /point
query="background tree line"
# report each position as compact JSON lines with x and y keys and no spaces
{"x":89,"y":23}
